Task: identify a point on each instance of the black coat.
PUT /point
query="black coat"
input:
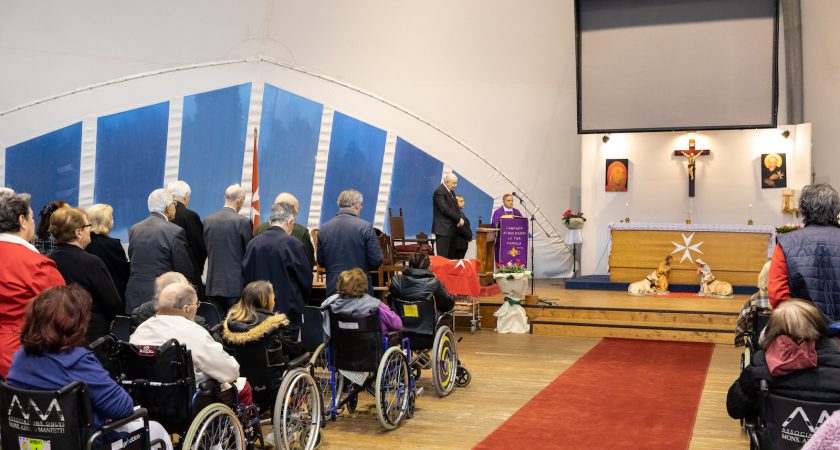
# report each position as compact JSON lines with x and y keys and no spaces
{"x":817,"y":384}
{"x":191,"y":223}
{"x":416,"y":285}
{"x":280,"y":258}
{"x":89,"y":272}
{"x":463,"y":235}
{"x":111,"y":252}
{"x":445,"y":212}
{"x":345,"y":242}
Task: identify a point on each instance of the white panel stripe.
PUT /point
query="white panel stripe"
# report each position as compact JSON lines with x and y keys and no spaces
{"x":385,"y":180}
{"x":254,"y":117}
{"x":173,"y":140}
{"x":87,"y":163}
{"x":2,"y":165}
{"x":320,"y":178}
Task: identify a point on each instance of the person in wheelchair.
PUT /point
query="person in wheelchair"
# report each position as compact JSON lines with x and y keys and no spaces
{"x":53,"y":355}
{"x":352,"y":299}
{"x":417,"y":282}
{"x":176,"y":308}
{"x":797,"y":361}
{"x":147,"y":310}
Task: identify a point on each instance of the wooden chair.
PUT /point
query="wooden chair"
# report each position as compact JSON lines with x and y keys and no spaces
{"x":404,"y":248}
{"x":389,"y":265}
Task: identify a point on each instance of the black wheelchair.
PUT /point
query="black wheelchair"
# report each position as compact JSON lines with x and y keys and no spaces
{"x":162,"y":379}
{"x":426,"y":330}
{"x":784,"y":423}
{"x":359,"y":355}
{"x":63,"y":420}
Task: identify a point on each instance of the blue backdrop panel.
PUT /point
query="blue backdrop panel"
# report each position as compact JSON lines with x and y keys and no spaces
{"x":47,"y":167}
{"x":416,"y":175}
{"x":130,"y":158}
{"x":289,"y":131}
{"x":213,"y":144}
{"x":355,"y":161}
{"x":476,"y":202}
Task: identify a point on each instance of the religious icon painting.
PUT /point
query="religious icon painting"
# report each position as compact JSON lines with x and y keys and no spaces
{"x":773,"y":170}
{"x":617,"y":175}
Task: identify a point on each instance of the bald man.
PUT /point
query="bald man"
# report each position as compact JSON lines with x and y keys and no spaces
{"x":298,"y":231}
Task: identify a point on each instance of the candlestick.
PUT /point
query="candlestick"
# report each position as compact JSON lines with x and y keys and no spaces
{"x":627,"y":217}
{"x":749,"y":214}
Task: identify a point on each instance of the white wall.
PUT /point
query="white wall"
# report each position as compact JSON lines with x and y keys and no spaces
{"x":727,"y":181}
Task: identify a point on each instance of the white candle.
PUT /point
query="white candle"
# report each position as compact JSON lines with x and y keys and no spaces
{"x":749,"y":211}
{"x":627,"y":205}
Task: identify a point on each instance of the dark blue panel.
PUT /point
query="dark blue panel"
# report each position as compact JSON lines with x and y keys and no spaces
{"x":47,"y":167}
{"x":416,"y":175}
{"x":289,"y":133}
{"x":476,"y":202}
{"x":213,"y":144}
{"x":130,"y":158}
{"x":356,"y":152}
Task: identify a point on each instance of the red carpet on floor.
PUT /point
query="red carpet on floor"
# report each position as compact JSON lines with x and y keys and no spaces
{"x":623,"y":393}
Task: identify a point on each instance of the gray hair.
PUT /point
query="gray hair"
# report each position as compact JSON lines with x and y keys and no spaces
{"x":234,"y":193}
{"x":819,"y":204}
{"x":179,"y":189}
{"x":12,"y":206}
{"x":282,"y":212}
{"x":350,"y":198}
{"x":288,"y":198}
{"x":450,"y":177}
{"x":6,"y":191}
{"x":177,"y":296}
{"x":159,"y":200}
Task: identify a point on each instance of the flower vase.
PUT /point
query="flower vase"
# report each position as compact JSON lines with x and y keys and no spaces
{"x":511,"y":317}
{"x":574,"y":225}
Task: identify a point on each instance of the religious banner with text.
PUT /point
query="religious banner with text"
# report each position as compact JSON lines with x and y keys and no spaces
{"x":513,"y":241}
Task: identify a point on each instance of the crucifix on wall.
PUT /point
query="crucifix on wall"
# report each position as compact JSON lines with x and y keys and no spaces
{"x":692,"y":154}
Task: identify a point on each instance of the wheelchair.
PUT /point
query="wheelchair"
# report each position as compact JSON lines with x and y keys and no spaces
{"x":366,"y":360}
{"x":162,"y":379}
{"x":425,"y":329}
{"x":63,"y":420}
{"x":283,"y":386}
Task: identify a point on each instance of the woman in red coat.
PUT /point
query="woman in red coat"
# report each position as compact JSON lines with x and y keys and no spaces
{"x":24,"y":272}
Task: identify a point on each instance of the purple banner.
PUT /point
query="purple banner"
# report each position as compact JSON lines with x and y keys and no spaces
{"x":513,"y":241}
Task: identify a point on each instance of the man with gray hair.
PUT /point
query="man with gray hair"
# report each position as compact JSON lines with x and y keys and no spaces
{"x":804,"y":263}
{"x":155,"y":246}
{"x":190,"y":221}
{"x":298,"y":231}
{"x":446,"y":216}
{"x":226,"y":233}
{"x":278,"y":257}
{"x":346,"y":241}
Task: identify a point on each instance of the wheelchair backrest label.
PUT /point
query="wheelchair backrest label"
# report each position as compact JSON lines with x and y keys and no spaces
{"x":25,"y":443}
{"x":410,"y":311}
{"x":348,"y":325}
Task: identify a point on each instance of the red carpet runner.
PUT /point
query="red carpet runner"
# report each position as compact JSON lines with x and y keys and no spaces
{"x":623,"y":393}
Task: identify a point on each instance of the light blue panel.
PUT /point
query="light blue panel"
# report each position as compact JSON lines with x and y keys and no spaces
{"x":476,"y":202}
{"x":416,"y":175}
{"x":213,"y":144}
{"x":130,"y":158}
{"x":356,"y":152}
{"x":289,"y":133}
{"x":47,"y":167}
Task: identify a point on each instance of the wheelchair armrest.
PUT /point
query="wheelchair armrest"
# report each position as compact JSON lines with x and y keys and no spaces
{"x":114,"y":424}
{"x":299,"y":361}
{"x":209,"y":385}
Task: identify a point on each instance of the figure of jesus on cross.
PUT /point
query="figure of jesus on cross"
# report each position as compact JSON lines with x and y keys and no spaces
{"x":692,"y":154}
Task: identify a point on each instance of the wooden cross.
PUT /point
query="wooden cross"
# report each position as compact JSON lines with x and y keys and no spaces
{"x":692,"y":154}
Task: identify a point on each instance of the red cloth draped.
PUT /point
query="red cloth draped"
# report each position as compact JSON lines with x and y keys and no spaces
{"x":459,"y":276}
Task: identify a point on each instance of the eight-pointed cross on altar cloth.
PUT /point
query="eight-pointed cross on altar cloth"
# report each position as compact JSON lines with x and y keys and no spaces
{"x":692,"y":155}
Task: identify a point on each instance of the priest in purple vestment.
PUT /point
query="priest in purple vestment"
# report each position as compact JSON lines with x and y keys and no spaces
{"x":505,"y":210}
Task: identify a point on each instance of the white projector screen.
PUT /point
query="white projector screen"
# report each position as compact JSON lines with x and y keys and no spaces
{"x":657,"y":65}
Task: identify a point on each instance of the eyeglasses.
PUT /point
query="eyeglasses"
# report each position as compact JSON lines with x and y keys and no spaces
{"x":84,"y":226}
{"x":191,"y":305}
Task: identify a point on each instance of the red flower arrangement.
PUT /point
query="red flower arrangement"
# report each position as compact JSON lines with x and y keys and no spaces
{"x":569,"y":215}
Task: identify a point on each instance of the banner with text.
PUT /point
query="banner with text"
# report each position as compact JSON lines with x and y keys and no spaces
{"x":513,"y":241}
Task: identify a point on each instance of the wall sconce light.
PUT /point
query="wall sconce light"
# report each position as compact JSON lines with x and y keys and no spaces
{"x":786,"y":134}
{"x":605,"y":138}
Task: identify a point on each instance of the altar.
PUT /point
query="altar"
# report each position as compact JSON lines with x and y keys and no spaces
{"x":736,"y":253}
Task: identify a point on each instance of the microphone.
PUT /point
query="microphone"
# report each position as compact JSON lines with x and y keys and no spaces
{"x":517,"y":196}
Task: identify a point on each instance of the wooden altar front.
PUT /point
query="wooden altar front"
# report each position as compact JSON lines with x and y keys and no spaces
{"x":485,"y":240}
{"x":736,"y":253}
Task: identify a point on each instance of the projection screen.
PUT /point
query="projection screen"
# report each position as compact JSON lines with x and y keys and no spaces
{"x":657,"y":65}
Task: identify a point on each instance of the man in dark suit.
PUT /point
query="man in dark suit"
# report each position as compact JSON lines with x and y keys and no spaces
{"x":226,"y":233}
{"x":446,"y":217}
{"x":191,"y":223}
{"x":346,"y":241}
{"x":155,"y":246}
{"x":299,"y":231}
{"x":278,"y":257}
{"x":463,"y":236}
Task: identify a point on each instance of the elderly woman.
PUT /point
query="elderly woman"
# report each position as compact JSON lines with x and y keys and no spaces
{"x":24,"y":272}
{"x":108,"y":249}
{"x":804,"y":262}
{"x":352,"y":299}
{"x":797,"y":360}
{"x":54,"y":355}
{"x":43,"y":241}
{"x":71,"y":230}
{"x":418,"y":282}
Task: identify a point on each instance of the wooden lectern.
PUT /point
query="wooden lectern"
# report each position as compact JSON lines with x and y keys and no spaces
{"x":485,"y":241}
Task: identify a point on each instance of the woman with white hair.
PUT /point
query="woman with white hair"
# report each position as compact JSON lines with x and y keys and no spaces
{"x":108,"y":249}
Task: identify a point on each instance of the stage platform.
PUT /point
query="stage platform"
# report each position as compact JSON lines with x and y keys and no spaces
{"x":603,"y":283}
{"x":610,"y":313}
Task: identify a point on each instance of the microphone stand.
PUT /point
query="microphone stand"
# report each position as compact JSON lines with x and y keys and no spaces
{"x":531,"y":240}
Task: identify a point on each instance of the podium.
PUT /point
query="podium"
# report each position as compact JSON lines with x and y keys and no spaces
{"x":485,"y":241}
{"x":513,"y":241}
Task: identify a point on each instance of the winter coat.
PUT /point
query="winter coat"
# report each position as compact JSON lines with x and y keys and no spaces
{"x":416,"y":285}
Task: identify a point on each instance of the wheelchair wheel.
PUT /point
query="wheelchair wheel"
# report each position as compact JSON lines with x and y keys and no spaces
{"x":464,"y":377}
{"x":297,"y":411}
{"x":215,"y":427}
{"x":320,"y":371}
{"x":444,"y":361}
{"x":392,"y":388}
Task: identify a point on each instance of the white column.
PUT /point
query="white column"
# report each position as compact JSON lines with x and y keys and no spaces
{"x":2,"y":165}
{"x":173,"y":140}
{"x":320,"y":178}
{"x":87,"y":163}
{"x":254,"y":118}
{"x":385,"y":180}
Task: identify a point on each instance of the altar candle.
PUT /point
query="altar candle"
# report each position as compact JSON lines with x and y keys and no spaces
{"x":627,"y":206}
{"x":749,"y":211}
